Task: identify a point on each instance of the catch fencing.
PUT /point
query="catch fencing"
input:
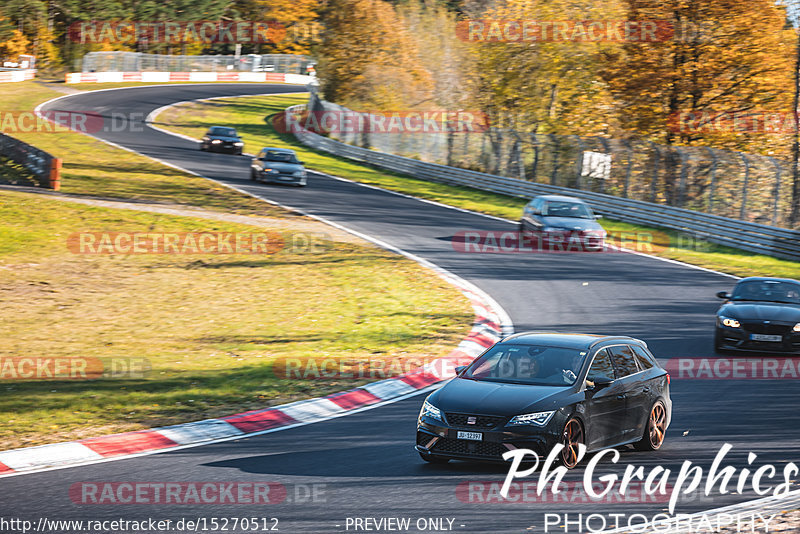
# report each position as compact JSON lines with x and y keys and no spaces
{"x":737,"y":185}
{"x":636,"y":208}
{"x":140,"y":62}
{"x":44,"y":166}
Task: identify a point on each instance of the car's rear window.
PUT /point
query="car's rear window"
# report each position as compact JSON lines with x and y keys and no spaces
{"x":643,"y":358}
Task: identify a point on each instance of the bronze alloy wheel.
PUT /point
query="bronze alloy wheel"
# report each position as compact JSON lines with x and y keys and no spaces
{"x":570,"y":439}
{"x":655,"y":430}
{"x":657,"y":425}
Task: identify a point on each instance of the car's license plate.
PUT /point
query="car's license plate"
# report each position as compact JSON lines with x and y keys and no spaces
{"x":765,"y":337}
{"x":475,"y":436}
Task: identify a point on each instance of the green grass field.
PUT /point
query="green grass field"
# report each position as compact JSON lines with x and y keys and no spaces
{"x":248,"y":115}
{"x":211,"y":326}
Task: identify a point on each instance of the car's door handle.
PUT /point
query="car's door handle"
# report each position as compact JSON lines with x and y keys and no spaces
{"x":622,"y":396}
{"x":646,"y":389}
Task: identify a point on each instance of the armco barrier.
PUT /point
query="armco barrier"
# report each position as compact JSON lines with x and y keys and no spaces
{"x":758,"y":238}
{"x":46,"y":167}
{"x":164,"y":77}
{"x":16,"y":75}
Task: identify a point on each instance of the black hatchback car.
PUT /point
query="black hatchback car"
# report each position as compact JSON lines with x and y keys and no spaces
{"x":762,"y":314}
{"x":222,"y":139}
{"x":534,"y":390}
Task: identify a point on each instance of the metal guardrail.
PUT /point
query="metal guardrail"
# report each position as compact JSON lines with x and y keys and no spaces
{"x":752,"y":237}
{"x":45,"y":166}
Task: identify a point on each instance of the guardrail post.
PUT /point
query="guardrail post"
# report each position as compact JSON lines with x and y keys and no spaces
{"x":535,"y":168}
{"x":713,"y":179}
{"x":607,"y":150}
{"x":682,"y":182}
{"x":579,"y":162}
{"x":55,"y":174}
{"x":629,"y":167}
{"x":743,"y":209}
{"x":656,"y":164}
{"x":776,"y":192}
{"x":554,"y":172}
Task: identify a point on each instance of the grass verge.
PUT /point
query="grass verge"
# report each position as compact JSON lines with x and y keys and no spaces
{"x":247,"y":115}
{"x":212,"y":328}
{"x":94,"y":168}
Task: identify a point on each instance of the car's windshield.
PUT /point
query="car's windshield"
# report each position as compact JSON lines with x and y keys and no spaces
{"x":283,"y":157}
{"x":767,"y":291}
{"x":567,"y":209}
{"x":226,"y":132}
{"x":527,"y":364}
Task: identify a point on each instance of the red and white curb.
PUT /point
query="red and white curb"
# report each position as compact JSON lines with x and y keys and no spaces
{"x":17,"y":75}
{"x":486,"y":331}
{"x":165,"y":77}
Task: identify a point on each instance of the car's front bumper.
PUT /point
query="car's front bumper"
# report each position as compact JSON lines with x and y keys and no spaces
{"x":741,"y":339}
{"x":441,"y":440}
{"x":283,"y":179}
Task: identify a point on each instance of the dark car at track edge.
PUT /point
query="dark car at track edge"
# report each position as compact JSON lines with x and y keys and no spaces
{"x":761,"y":315}
{"x":535,"y":390}
{"x":222,"y":139}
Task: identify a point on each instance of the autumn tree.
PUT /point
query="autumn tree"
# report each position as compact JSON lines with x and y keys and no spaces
{"x":297,"y":19}
{"x":543,"y":85}
{"x":367,"y":57}
{"x":720,"y":56}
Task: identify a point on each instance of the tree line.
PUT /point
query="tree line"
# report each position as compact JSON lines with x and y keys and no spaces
{"x":717,"y":73}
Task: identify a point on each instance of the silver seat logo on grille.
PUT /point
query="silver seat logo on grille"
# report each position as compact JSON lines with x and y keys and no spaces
{"x":472,"y":420}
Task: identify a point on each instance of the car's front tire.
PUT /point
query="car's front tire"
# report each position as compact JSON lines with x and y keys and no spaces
{"x":654,"y":430}
{"x":571,"y":438}
{"x":434,"y":459}
{"x":253,"y":175}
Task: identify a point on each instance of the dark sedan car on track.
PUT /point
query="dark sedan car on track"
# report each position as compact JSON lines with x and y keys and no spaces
{"x":278,"y":165}
{"x":534,"y":390}
{"x":222,"y":139}
{"x":562,"y":223}
{"x":762,"y":314}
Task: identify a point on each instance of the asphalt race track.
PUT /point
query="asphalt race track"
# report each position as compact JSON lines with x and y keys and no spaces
{"x":364,"y":464}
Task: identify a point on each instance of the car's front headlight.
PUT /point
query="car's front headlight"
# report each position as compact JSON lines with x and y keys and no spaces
{"x":730,"y":322}
{"x":796,"y":328}
{"x":215,"y":141}
{"x":299,"y":173}
{"x":538,"y":419}
{"x":238,"y":143}
{"x":430,"y":410}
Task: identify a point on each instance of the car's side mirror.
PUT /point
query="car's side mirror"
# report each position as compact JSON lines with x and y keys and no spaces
{"x":300,"y":163}
{"x":599,"y":382}
{"x":459,"y":369}
{"x":723,"y":295}
{"x":598,"y":217}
